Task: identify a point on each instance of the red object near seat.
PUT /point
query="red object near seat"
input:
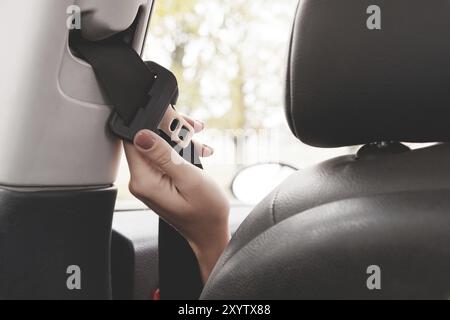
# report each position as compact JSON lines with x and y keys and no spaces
{"x":156,"y":296}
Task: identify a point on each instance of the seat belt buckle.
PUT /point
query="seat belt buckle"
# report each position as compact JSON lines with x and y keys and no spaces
{"x":158,"y":113}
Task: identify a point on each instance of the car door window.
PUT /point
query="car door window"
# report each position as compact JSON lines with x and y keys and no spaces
{"x":230,"y":57}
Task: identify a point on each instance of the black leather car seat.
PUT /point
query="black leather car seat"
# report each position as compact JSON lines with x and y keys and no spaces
{"x":318,"y":234}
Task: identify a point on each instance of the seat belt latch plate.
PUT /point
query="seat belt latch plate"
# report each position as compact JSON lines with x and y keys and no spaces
{"x":162,"y":95}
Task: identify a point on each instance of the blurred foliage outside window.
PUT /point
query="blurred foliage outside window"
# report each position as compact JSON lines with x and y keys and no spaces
{"x":230,"y":61}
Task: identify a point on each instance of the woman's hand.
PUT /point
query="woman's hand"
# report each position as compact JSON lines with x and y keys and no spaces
{"x":182,"y":194}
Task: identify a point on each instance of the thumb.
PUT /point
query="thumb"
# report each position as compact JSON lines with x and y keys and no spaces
{"x":161,"y":155}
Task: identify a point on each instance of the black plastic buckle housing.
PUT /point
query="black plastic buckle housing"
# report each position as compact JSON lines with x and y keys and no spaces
{"x":163,"y":93}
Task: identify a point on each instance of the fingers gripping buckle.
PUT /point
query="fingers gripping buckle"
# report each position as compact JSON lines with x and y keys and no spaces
{"x":177,"y":128}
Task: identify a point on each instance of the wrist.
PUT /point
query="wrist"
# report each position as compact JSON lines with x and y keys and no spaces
{"x":208,"y":252}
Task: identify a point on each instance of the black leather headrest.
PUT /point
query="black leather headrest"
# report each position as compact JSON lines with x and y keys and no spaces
{"x":350,"y":83}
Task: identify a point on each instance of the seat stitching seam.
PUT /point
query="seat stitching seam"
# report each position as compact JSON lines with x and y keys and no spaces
{"x":272,"y":207}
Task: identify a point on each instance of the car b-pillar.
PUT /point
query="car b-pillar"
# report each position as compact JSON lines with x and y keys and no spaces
{"x":58,"y":161}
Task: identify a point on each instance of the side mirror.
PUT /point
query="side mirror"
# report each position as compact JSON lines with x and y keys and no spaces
{"x":253,"y":183}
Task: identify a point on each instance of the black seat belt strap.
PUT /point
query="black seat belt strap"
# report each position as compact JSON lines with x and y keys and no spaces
{"x":141,"y":93}
{"x":121,"y":73}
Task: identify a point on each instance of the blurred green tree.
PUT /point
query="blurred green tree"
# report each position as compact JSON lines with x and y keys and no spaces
{"x":219,"y":51}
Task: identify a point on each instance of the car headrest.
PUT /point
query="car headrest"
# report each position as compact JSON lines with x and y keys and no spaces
{"x":364,"y":71}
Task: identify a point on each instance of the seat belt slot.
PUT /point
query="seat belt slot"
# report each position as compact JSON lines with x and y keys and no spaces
{"x":140,"y":92}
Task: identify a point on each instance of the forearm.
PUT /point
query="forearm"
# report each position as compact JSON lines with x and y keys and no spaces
{"x":210,"y":250}
{"x":182,"y":194}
